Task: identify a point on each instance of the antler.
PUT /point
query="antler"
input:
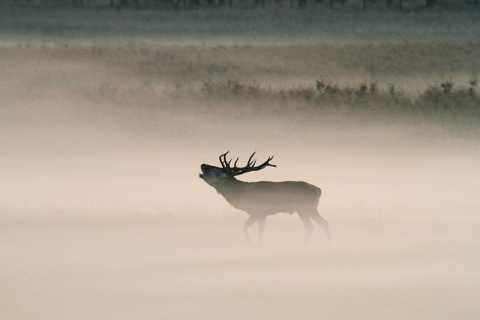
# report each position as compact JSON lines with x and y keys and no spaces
{"x":235,"y":171}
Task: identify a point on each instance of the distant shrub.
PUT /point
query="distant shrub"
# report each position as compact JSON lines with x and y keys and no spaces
{"x":449,"y":101}
{"x":232,"y":88}
{"x":445,"y":101}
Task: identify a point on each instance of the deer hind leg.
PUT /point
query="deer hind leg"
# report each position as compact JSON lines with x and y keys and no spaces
{"x":261,"y":228}
{"x":308,"y":225}
{"x":251,"y":220}
{"x":321,"y":221}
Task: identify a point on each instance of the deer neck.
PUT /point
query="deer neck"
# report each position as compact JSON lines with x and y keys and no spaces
{"x":231,"y":189}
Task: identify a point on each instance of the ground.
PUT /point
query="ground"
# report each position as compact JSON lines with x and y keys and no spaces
{"x":106,"y":117}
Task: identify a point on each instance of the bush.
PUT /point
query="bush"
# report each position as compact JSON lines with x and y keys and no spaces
{"x":445,"y":101}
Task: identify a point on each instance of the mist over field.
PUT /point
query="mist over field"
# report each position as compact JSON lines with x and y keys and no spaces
{"x":106,"y":117}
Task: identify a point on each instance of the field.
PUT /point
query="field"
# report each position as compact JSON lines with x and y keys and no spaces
{"x":106,"y":117}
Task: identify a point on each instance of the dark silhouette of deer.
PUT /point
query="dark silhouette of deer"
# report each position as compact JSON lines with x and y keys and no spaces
{"x":263,"y":198}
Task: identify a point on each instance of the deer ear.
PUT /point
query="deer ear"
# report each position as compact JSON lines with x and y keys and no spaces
{"x":223,"y":175}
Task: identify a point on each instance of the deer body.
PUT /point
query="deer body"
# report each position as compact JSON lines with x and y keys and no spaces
{"x":267,"y":198}
{"x":263,"y":198}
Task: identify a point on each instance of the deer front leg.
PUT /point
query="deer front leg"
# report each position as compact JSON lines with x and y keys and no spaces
{"x":251,"y":220}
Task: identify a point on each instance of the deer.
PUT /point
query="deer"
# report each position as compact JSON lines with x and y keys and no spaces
{"x":264,"y":198}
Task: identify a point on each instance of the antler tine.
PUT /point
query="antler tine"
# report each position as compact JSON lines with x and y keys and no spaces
{"x":271,"y":165}
{"x":223,"y":160}
{"x":220,"y":158}
{"x":267,"y":163}
{"x":249,"y":162}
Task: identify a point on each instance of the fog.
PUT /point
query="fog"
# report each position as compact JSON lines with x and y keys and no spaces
{"x":103,"y":215}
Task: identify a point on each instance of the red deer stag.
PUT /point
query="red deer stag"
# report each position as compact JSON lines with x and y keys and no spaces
{"x":263,"y":198}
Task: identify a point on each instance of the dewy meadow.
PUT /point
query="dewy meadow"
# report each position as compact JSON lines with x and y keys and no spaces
{"x":107,"y":115}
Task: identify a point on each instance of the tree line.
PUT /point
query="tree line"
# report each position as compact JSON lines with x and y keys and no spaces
{"x":196,"y":4}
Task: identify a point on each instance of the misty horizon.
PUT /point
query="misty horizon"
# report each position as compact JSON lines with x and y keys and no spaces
{"x":106,"y":117}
